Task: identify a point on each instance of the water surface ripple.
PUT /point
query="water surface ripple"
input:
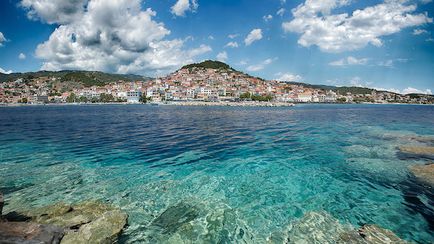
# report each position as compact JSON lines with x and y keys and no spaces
{"x":265,"y":167}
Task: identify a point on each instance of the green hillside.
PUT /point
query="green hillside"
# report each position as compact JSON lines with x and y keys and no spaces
{"x":85,"y":78}
{"x":208,"y":64}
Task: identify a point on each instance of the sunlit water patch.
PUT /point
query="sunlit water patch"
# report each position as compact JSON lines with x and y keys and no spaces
{"x":197,"y":174}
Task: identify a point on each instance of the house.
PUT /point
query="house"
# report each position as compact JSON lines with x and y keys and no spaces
{"x":134,"y":96}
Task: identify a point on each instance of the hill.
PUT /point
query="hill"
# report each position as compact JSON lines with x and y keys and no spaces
{"x":85,"y":78}
{"x":208,"y":64}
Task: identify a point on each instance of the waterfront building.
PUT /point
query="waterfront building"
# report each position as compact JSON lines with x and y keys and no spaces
{"x":134,"y":96}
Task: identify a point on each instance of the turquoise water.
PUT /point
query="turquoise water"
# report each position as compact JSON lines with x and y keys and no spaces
{"x":244,"y":172}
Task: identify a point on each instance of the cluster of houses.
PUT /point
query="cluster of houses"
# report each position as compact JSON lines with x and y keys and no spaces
{"x":188,"y":84}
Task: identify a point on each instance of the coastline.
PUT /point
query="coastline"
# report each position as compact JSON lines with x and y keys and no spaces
{"x":206,"y":104}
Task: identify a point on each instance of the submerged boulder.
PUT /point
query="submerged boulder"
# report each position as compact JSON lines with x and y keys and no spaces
{"x":86,"y":222}
{"x":104,"y":229}
{"x":424,"y":173}
{"x":175,"y":217}
{"x":317,"y":227}
{"x":1,"y":204}
{"x":70,"y":216}
{"x":375,"y":234}
{"x":27,"y":232}
{"x":422,"y":151}
{"x":321,"y":227}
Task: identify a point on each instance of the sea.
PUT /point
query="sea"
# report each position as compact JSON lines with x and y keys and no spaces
{"x":242,"y":174}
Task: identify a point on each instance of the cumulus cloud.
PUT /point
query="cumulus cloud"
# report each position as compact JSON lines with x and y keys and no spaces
{"x":267,"y":18}
{"x":2,"y":39}
{"x":288,"y":77}
{"x":5,"y":71}
{"x":22,"y":56}
{"x":349,"y":61}
{"x":254,"y":35}
{"x":410,"y":90}
{"x":233,"y":36}
{"x":115,"y":36}
{"x":232,"y":44}
{"x":222,"y":56}
{"x":54,"y":11}
{"x":260,"y":66}
{"x":281,"y":12}
{"x":182,"y":6}
{"x":344,"y":32}
{"x":417,"y":32}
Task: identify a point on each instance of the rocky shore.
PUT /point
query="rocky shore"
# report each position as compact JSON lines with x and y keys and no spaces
{"x":86,"y":222}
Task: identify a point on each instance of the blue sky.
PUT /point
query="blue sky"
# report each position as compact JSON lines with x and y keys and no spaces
{"x":382,"y":44}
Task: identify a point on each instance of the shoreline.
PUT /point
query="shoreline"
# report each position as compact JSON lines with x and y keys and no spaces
{"x":208,"y":104}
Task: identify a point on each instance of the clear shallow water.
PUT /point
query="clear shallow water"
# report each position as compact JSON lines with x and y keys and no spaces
{"x":255,"y":169}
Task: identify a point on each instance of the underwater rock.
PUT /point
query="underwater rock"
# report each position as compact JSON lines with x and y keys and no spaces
{"x":29,"y":233}
{"x":424,"y":173}
{"x":321,"y":227}
{"x":104,"y":229}
{"x":375,"y":234}
{"x":224,"y":226}
{"x":317,"y":227}
{"x":86,"y":222}
{"x":418,"y":150}
{"x":1,"y":204}
{"x":194,"y":221}
{"x":70,"y":216}
{"x":174,"y":217}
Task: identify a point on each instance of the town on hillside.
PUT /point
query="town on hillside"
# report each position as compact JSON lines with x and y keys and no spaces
{"x":206,"y":82}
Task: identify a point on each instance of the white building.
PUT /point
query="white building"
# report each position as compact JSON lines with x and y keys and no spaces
{"x":134,"y":96}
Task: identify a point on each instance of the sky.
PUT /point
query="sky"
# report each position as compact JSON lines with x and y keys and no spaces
{"x":387,"y":44}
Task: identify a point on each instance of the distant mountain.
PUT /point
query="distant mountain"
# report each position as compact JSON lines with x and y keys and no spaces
{"x":85,"y":78}
{"x":74,"y":78}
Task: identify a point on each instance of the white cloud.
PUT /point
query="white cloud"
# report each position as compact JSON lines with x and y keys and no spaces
{"x":2,"y":39}
{"x":182,"y":6}
{"x":410,"y":90}
{"x":54,"y":11}
{"x":242,"y":62}
{"x":261,"y":66}
{"x":345,"y":32}
{"x":267,"y":18}
{"x":390,"y":62}
{"x":5,"y":71}
{"x":232,"y":44}
{"x":281,"y":12}
{"x":233,"y":36}
{"x":22,"y":56}
{"x":254,"y":35}
{"x":211,"y":37}
{"x":288,"y":77}
{"x":417,"y":32}
{"x":349,"y":61}
{"x":115,"y":36}
{"x":222,"y":56}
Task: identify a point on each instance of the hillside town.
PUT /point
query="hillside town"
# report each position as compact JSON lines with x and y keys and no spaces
{"x":193,"y":83}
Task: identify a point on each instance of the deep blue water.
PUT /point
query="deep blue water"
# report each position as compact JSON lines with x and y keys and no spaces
{"x":264,"y":167}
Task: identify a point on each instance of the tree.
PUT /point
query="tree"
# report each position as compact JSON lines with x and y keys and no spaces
{"x":83,"y":99}
{"x":145,"y":99}
{"x":72,"y":98}
{"x":342,"y":100}
{"x":246,"y":95}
